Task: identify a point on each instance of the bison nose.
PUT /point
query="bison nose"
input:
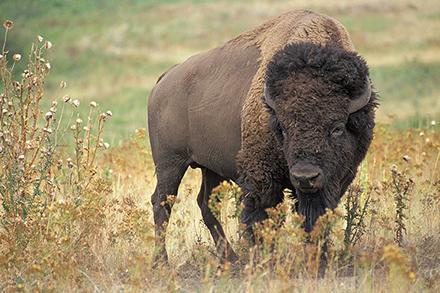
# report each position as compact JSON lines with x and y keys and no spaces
{"x":307,"y":177}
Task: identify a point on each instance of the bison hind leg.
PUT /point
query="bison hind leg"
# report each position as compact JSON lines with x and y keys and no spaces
{"x":169,"y":176}
{"x":209,"y":181}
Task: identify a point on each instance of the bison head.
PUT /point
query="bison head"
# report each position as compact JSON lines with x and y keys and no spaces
{"x":321,"y":107}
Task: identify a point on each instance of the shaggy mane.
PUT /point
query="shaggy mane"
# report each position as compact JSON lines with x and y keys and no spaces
{"x":345,"y":70}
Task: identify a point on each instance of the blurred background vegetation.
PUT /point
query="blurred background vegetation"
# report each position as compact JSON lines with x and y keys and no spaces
{"x":113,"y":51}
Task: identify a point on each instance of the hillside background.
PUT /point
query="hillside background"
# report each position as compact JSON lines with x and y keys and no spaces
{"x":113,"y":51}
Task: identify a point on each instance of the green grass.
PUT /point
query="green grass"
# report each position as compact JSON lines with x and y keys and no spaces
{"x":371,"y":23}
{"x":113,"y":51}
{"x":412,"y":87}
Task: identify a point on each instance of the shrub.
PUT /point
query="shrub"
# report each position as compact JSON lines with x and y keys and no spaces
{"x":53,"y":205}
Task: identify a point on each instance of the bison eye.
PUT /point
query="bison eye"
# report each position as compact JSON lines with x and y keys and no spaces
{"x":338,"y":130}
{"x":283,"y":132}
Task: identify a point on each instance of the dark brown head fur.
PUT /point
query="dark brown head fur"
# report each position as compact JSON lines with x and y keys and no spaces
{"x":309,"y":88}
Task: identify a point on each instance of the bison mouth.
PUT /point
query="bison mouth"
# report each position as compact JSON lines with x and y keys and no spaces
{"x":309,"y":191}
{"x":312,"y":204}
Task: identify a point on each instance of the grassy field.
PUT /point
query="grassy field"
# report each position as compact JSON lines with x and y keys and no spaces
{"x":81,"y":221}
{"x":114,"y":51}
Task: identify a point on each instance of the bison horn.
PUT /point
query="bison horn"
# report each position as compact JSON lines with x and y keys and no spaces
{"x":267,"y":98}
{"x":362,"y":100}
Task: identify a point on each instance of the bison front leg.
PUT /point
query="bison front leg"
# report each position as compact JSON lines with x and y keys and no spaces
{"x":250,"y":215}
{"x":254,"y":208}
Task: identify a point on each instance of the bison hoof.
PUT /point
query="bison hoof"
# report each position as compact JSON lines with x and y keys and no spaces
{"x":160,"y":259}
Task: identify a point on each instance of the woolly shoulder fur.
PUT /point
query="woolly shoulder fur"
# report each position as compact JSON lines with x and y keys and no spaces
{"x":256,"y":159}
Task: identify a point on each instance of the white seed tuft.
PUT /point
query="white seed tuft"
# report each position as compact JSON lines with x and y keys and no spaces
{"x":47,"y":130}
{"x":48,"y":115}
{"x":16,"y":57}
{"x":48,"y":45}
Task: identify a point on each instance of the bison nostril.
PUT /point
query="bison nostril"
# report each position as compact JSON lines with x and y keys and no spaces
{"x":313,"y":176}
{"x":306,"y":176}
{"x":307,"y":179}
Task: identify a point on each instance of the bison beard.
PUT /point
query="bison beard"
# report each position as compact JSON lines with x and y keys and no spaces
{"x":312,"y":206}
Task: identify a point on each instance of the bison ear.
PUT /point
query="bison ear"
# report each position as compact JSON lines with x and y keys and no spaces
{"x":267,"y":98}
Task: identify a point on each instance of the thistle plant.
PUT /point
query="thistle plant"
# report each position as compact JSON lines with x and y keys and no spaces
{"x":356,"y":205}
{"x":46,"y":204}
{"x":401,"y":187}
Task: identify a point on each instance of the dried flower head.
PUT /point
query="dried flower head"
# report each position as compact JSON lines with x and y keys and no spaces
{"x":48,"y":45}
{"x":47,"y":66}
{"x":39,"y":38}
{"x":106,"y":145}
{"x":93,"y":104}
{"x":69,"y":163}
{"x":62,"y":84}
{"x":16,"y":84}
{"x":48,"y":130}
{"x":16,"y":57}
{"x":79,"y":121}
{"x":393,"y":168}
{"x":8,"y":24}
{"x":75,"y":103}
{"x":48,"y":115}
{"x":109,"y":113}
{"x":21,"y":157}
{"x":26,"y":73}
{"x":66,"y":99}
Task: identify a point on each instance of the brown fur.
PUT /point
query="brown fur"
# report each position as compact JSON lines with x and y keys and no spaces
{"x":295,"y":26}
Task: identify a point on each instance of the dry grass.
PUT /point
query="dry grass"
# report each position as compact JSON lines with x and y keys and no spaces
{"x":85,"y":223}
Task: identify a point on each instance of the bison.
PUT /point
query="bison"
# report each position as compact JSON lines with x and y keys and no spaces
{"x":287,"y":105}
